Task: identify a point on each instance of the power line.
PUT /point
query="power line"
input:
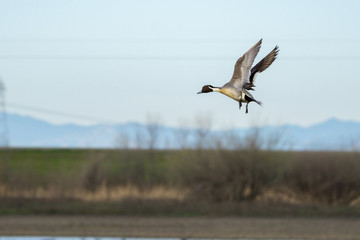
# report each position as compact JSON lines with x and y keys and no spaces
{"x":320,"y":58}
{"x":60,"y":113}
{"x":163,"y":58}
{"x":173,"y":40}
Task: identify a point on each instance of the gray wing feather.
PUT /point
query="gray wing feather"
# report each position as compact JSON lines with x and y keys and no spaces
{"x":262,"y":65}
{"x":243,"y":65}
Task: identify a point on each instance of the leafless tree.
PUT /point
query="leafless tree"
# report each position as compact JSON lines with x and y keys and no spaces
{"x":122,"y":140}
{"x":139,"y":138}
{"x":230,"y":139}
{"x":203,"y":124}
{"x":253,"y":140}
{"x":153,"y":128}
{"x":275,"y":140}
{"x":182,"y":133}
{"x":351,"y":143}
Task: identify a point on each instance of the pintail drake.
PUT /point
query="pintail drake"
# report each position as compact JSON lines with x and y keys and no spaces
{"x":244,"y":76}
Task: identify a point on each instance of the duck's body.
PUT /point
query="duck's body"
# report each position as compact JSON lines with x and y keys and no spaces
{"x":240,"y":96}
{"x":229,"y":91}
{"x":243,"y":77}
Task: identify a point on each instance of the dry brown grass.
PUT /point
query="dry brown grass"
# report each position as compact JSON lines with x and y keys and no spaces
{"x":283,"y":195}
{"x":103,"y":193}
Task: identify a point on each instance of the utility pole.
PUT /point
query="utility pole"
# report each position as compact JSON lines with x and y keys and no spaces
{"x":4,"y":138}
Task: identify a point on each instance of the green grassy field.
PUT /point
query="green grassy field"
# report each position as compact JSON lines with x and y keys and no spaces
{"x":179,"y":182}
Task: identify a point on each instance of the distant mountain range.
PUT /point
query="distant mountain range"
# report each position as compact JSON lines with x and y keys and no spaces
{"x":332,"y":134}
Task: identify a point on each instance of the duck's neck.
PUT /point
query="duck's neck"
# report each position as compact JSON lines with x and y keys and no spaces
{"x":216,"y":89}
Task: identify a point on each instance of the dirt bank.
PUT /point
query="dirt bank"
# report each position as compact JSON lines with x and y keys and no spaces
{"x":192,"y":227}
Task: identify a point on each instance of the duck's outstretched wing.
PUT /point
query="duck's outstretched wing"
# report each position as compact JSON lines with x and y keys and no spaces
{"x":261,"y":66}
{"x":243,"y":65}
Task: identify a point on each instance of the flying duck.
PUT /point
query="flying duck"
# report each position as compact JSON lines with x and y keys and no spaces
{"x":244,"y":76}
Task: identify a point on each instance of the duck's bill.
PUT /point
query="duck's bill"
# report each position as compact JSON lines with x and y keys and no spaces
{"x":199,"y":92}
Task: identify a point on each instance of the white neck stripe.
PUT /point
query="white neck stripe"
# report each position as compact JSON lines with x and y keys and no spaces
{"x":215,"y":89}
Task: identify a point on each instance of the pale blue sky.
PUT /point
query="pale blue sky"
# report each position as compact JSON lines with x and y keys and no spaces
{"x":123,"y":60}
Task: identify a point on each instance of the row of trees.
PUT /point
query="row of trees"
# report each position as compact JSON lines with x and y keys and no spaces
{"x":154,"y":135}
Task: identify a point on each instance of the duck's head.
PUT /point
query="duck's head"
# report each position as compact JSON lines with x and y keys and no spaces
{"x":206,"y":89}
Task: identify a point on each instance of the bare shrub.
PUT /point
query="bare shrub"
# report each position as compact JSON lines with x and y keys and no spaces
{"x":93,"y":176}
{"x":141,"y":168}
{"x":328,"y":177}
{"x":233,"y":175}
{"x":228,"y":176}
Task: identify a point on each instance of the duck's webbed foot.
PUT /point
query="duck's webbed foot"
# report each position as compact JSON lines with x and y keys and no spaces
{"x":240,"y":104}
{"x":247,"y":110}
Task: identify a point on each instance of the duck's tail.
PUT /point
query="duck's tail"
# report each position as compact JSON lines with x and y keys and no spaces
{"x":258,"y":102}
